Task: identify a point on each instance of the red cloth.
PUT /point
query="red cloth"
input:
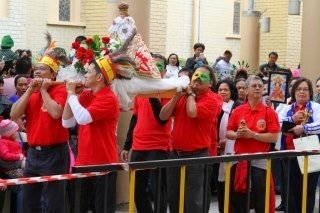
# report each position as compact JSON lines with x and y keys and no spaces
{"x":10,"y":150}
{"x":42,"y":129}
{"x":97,"y":140}
{"x":148,"y":134}
{"x":240,"y":177}
{"x":214,"y":132}
{"x":191,"y":134}
{"x":240,"y":183}
{"x":262,"y":119}
{"x":289,"y":137}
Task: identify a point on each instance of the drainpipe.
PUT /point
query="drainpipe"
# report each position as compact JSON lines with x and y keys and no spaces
{"x":250,"y":5}
{"x":250,"y":36}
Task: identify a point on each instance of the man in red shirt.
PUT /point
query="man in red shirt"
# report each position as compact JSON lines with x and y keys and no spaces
{"x":254,"y":127}
{"x":97,"y":112}
{"x":48,"y":154}
{"x":149,"y":138}
{"x":194,"y":114}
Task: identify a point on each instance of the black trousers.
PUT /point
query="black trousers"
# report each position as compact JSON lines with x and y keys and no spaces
{"x":93,"y":194}
{"x":194,"y":190}
{"x":157,"y":180}
{"x":238,"y":200}
{"x":52,"y":161}
{"x":295,"y":188}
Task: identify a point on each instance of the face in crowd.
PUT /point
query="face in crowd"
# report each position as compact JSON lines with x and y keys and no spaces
{"x":254,"y":88}
{"x":201,"y":80}
{"x":173,"y":60}
{"x":224,"y":92}
{"x":44,"y":71}
{"x":318,"y":86}
{"x":302,"y":91}
{"x":240,"y":85}
{"x":273,"y":59}
{"x":197,"y":51}
{"x":21,"y":84}
{"x":92,"y":76}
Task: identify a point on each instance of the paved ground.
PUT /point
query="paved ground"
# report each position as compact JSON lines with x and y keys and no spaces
{"x":122,"y":208}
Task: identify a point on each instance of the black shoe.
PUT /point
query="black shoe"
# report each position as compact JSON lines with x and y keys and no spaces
{"x":280,"y":207}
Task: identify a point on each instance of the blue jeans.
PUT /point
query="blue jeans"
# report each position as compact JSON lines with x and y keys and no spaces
{"x":193,"y":201}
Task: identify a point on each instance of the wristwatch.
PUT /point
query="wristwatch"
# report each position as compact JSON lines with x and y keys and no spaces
{"x":192,"y":94}
{"x":255,"y":136}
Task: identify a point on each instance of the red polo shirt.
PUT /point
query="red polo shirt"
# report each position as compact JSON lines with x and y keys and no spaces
{"x":262,"y":119}
{"x":148,"y":134}
{"x":42,"y":129}
{"x":97,"y":140}
{"x":191,"y":134}
{"x":214,"y":137}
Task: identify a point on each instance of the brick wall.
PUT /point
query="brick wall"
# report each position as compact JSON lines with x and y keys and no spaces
{"x":171,"y":27}
{"x":27,"y":23}
{"x":174,"y":33}
{"x":179,"y":28}
{"x":294,"y":39}
{"x":215,"y":25}
{"x":158,"y":11}
{"x":95,"y":17}
{"x":15,"y":23}
{"x":276,"y":39}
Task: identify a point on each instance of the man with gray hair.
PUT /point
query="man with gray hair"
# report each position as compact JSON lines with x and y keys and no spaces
{"x":254,"y":127}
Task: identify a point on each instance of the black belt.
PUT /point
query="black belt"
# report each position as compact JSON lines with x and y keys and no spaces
{"x":44,"y":148}
{"x":190,"y":153}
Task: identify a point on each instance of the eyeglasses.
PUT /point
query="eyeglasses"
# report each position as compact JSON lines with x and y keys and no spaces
{"x":302,"y":90}
{"x":41,"y":68}
{"x":259,"y":86}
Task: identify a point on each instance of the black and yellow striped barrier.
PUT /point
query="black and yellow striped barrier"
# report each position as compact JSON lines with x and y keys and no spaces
{"x":183,"y":163}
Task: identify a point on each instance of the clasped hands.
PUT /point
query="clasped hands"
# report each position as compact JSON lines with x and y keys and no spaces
{"x":243,"y":131}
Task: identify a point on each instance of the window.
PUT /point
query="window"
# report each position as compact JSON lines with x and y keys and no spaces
{"x":64,"y":10}
{"x":236,"y":17}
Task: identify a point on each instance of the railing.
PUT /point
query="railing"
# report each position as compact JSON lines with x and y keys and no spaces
{"x":132,"y":167}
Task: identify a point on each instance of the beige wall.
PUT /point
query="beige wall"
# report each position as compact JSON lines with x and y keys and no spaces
{"x":178,"y":28}
{"x":27,"y":21}
{"x":172,"y":30}
{"x":285,"y":33}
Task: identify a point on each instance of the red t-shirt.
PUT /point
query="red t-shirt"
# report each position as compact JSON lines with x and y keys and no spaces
{"x":10,"y":150}
{"x":214,"y":132}
{"x":148,"y":134}
{"x":191,"y":134}
{"x":261,"y":120}
{"x":97,"y":140}
{"x":42,"y":129}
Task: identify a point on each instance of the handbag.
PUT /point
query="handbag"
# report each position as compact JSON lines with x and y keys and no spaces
{"x":308,"y":143}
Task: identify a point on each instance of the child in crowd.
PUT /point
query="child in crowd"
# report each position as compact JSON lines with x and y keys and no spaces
{"x":11,"y":155}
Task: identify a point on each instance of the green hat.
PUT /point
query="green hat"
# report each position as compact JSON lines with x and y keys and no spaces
{"x":7,"y":42}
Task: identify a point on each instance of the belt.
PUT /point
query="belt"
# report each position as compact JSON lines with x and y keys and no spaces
{"x":190,"y":153}
{"x":44,"y":148}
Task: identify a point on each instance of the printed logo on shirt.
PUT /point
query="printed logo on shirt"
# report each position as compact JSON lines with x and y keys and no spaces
{"x":261,"y":124}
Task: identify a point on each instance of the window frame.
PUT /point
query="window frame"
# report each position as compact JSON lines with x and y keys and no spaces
{"x":75,"y":14}
{"x":230,"y":33}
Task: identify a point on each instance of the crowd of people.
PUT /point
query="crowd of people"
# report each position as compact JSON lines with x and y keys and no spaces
{"x":221,"y":112}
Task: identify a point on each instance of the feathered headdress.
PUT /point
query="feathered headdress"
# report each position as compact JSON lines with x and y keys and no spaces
{"x":53,"y":56}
